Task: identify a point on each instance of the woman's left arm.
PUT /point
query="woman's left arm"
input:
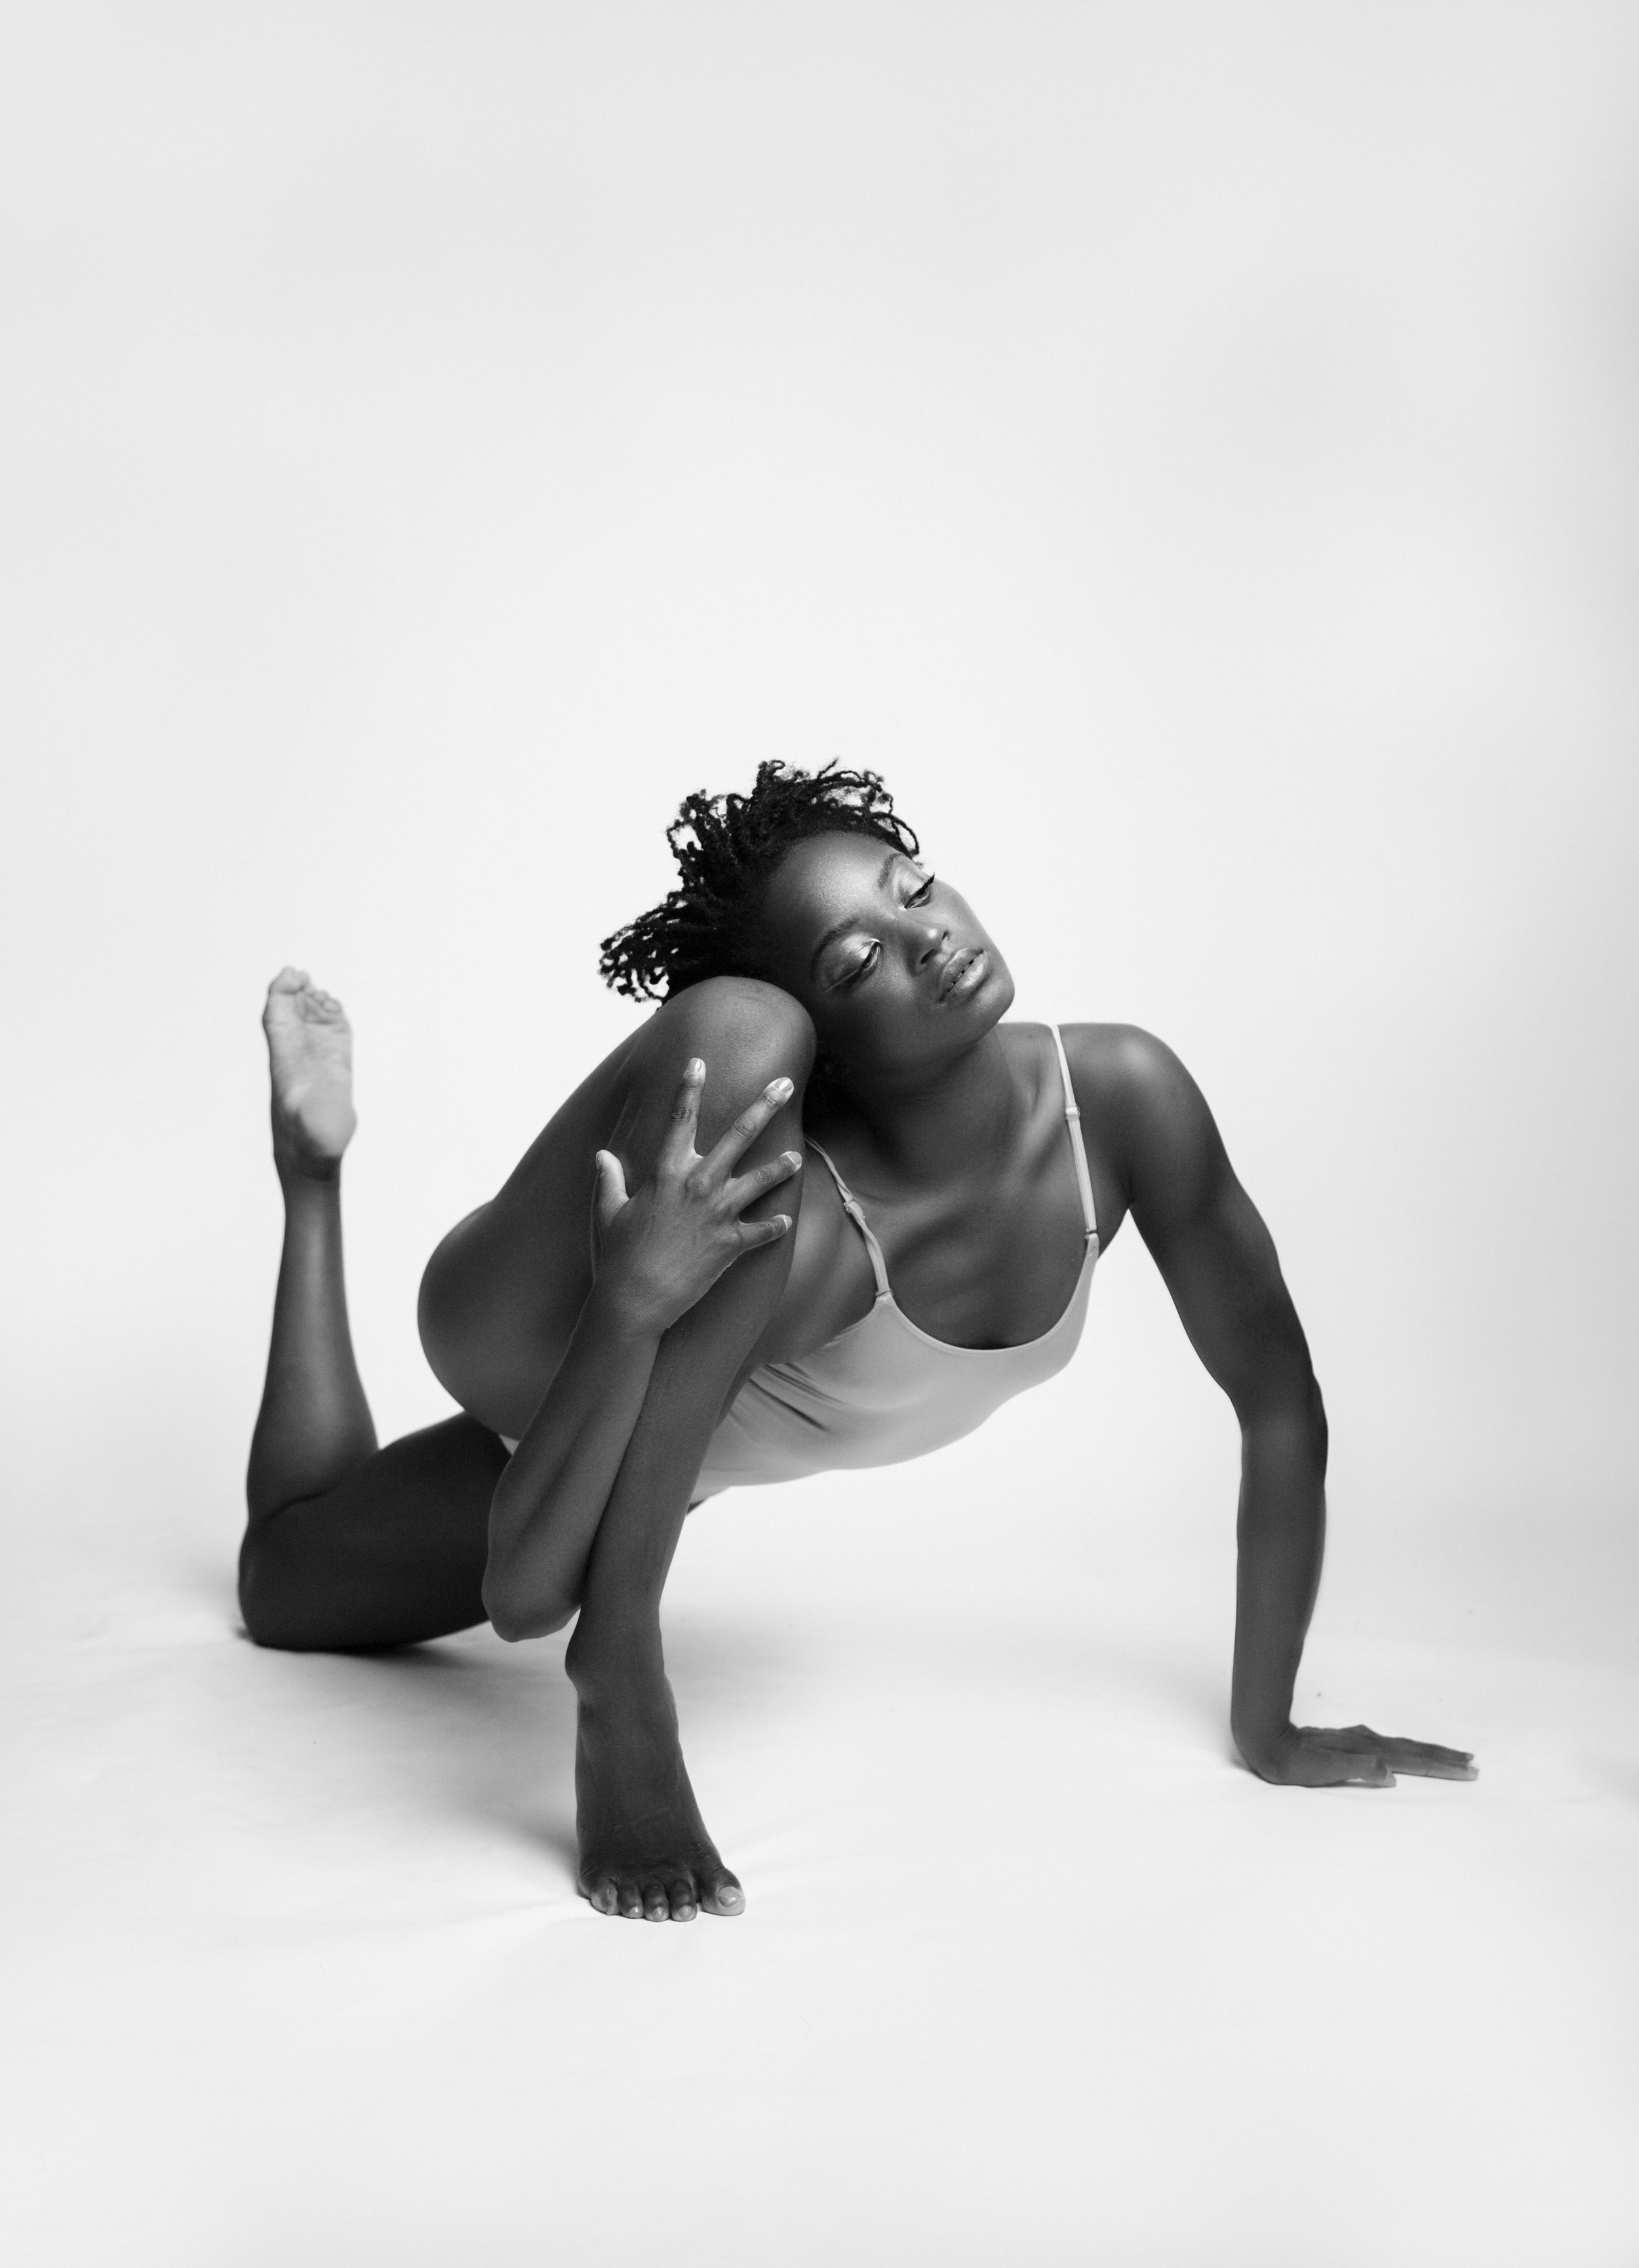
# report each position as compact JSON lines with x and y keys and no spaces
{"x":1219,"y":1263}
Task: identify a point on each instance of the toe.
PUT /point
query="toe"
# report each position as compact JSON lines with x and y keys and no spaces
{"x":685,"y":1899}
{"x":601,"y":1894}
{"x":630,"y":1901}
{"x":722,"y":1895}
{"x":656,"y":1906}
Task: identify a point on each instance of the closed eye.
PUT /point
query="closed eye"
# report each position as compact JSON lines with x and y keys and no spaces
{"x":868,"y":960}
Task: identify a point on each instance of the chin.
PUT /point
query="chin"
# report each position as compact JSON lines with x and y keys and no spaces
{"x":996,"y":994}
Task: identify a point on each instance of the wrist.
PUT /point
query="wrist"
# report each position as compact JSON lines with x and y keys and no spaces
{"x":1261,"y":1740}
{"x":619,"y":1314}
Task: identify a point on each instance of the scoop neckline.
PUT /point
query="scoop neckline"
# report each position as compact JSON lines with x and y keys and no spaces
{"x":949,"y":1346}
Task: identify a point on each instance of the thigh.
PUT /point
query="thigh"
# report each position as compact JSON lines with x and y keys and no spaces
{"x":391,"y":1555}
{"x":502,"y":1294}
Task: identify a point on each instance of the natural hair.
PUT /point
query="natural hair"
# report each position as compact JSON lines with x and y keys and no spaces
{"x":726,"y":847}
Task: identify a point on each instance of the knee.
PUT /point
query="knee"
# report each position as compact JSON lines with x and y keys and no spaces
{"x":264,"y":1614}
{"x":744,"y":1022}
{"x":272,"y":1607}
{"x":746,"y":1032}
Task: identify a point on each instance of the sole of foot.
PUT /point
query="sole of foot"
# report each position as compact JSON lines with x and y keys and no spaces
{"x":310,"y":1056}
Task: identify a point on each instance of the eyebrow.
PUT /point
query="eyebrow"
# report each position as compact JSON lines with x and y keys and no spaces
{"x":852,"y":921}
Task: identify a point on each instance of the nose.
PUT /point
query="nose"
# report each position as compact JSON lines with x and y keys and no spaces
{"x":935,"y":936}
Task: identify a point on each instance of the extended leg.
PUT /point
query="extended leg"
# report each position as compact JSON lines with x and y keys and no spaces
{"x":347,"y":1545}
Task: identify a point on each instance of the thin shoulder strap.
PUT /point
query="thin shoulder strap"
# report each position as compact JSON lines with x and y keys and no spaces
{"x":850,"y":1206}
{"x":1072,"y":1111}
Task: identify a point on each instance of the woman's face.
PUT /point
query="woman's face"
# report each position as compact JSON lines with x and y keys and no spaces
{"x":892,"y":965}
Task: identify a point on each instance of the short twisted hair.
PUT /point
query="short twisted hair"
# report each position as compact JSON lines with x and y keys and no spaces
{"x":726,"y":847}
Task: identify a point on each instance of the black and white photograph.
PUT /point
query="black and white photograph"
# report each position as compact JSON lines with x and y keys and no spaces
{"x":822,"y":1171}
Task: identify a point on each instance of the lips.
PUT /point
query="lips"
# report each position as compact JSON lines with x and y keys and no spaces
{"x":959,"y":970}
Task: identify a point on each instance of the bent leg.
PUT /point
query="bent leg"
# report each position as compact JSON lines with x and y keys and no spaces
{"x":644,"y":1849}
{"x":351,"y":1547}
{"x":392,"y":1554}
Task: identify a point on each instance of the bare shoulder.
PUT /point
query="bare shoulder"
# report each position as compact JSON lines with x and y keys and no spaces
{"x":1122,"y":1072}
{"x":1146,"y":1113}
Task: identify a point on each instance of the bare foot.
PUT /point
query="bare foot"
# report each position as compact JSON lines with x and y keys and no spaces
{"x":310,"y":1053}
{"x":644,"y":1851}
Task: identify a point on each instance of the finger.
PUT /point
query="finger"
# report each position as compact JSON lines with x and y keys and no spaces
{"x":1428,"y":1761}
{"x":753,"y":1232}
{"x":611,"y":1194}
{"x":749,"y":1186}
{"x":748,"y":1125}
{"x":677,"y":1148}
{"x":1421,"y":1757}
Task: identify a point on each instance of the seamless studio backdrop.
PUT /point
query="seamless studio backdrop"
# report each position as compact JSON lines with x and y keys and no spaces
{"x":1191,"y":452}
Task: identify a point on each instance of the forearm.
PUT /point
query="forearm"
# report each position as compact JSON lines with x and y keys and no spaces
{"x":618,"y":1632}
{"x":547,"y":1504}
{"x":1281,"y":1534}
{"x":617,"y":1636}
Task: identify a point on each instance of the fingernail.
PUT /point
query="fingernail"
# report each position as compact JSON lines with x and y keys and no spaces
{"x":780,"y":1086}
{"x":793,"y":1157}
{"x":696,"y":1068}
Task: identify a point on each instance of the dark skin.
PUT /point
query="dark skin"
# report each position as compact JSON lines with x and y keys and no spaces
{"x":610,"y":1354}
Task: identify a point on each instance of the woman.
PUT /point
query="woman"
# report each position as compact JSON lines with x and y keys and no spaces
{"x":743,"y":1318}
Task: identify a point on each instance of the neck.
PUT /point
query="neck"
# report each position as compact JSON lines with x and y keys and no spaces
{"x":926,"y":1124}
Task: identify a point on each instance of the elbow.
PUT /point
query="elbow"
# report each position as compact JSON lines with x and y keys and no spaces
{"x":1317,"y":1418}
{"x":1294,"y":1412}
{"x":1310,"y":1414}
{"x":514,"y":1619}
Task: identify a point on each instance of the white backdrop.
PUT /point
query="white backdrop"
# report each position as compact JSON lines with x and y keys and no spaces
{"x":1191,"y":451}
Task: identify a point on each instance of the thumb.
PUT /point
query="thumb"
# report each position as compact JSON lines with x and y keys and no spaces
{"x":611,"y":1195}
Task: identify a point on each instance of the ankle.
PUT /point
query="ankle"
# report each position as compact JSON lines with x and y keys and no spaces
{"x":605,"y":1666}
{"x":298,"y":1174}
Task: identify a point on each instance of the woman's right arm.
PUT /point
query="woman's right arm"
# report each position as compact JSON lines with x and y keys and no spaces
{"x":660,"y":1251}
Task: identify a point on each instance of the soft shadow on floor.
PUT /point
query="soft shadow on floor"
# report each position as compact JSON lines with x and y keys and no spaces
{"x":485,"y":1732}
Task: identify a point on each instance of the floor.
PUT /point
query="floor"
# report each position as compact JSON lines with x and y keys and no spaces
{"x":1030,"y":1970}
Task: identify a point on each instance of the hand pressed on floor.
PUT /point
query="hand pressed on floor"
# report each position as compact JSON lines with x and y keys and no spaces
{"x":1352,"y":1755}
